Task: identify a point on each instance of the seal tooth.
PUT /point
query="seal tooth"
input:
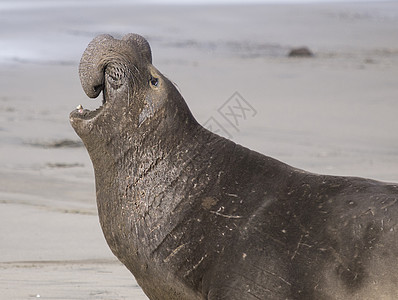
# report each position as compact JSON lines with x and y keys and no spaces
{"x":80,"y":108}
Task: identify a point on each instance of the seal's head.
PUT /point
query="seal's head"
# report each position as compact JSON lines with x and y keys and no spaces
{"x":135,"y":93}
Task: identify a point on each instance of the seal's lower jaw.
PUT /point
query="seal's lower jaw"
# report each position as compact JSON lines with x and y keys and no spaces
{"x":85,"y":114}
{"x":82,"y":119}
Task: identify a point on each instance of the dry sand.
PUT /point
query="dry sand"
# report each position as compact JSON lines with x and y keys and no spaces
{"x":334,"y":113}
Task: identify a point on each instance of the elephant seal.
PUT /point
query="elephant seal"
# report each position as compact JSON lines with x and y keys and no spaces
{"x":195,"y":216}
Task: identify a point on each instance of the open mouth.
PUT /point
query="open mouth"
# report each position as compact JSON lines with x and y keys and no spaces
{"x":86,"y":114}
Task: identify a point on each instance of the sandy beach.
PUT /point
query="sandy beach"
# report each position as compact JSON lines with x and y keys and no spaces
{"x":334,"y":113}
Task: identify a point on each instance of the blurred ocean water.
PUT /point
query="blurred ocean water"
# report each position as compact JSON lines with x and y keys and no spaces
{"x":57,"y":31}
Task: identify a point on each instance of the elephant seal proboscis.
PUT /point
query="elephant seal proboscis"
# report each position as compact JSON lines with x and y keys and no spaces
{"x":195,"y":216}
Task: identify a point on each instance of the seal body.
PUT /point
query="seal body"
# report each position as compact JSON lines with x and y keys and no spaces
{"x":195,"y":216}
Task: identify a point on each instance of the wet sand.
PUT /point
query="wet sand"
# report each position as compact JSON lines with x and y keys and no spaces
{"x":334,"y":113}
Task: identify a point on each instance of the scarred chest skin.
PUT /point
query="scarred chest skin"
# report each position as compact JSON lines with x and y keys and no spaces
{"x":195,"y":216}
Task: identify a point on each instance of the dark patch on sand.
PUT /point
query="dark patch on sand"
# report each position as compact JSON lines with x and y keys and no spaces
{"x":65,"y":143}
{"x":301,"y":52}
{"x":243,"y":49}
{"x":64,"y":165}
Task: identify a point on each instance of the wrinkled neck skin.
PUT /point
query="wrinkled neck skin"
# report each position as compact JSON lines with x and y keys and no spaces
{"x":142,"y":175}
{"x":135,"y":148}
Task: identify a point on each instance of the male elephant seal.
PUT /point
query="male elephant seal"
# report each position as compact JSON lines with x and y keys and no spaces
{"x":195,"y":216}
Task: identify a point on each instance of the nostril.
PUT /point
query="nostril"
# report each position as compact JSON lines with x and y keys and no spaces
{"x":98,"y":88}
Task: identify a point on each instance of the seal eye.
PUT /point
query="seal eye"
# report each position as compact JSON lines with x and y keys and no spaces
{"x":154,"y":81}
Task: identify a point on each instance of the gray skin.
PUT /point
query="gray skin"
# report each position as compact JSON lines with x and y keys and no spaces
{"x":195,"y":216}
